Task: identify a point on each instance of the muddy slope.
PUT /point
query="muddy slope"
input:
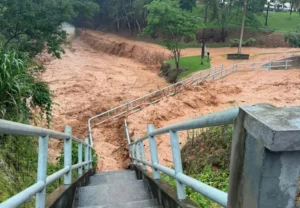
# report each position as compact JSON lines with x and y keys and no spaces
{"x":142,"y":52}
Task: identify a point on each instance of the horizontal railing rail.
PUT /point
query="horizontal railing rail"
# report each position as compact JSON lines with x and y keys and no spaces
{"x":137,"y":153}
{"x":214,"y":73}
{"x":39,"y":188}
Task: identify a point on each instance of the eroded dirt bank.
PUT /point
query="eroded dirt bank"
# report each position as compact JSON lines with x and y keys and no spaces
{"x":87,"y":82}
{"x":142,"y":52}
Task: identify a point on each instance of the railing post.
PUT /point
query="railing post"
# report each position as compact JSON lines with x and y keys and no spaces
{"x":253,"y":66}
{"x":265,"y":157}
{"x":153,"y":151}
{"x":127,"y":107}
{"x":68,"y":156}
{"x":80,"y":158}
{"x":42,"y":170}
{"x":143,"y":154}
{"x":91,"y":158}
{"x":286,"y":64}
{"x":86,"y":153}
{"x":134,"y":151}
{"x":177,"y":164}
{"x":137,"y":151}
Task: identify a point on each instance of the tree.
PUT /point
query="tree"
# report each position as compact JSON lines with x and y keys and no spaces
{"x":33,"y":26}
{"x":187,"y":4}
{"x":166,"y":18}
{"x":211,"y":12}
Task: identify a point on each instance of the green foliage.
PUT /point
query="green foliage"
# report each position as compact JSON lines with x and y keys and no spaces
{"x":248,"y":42}
{"x":172,"y":23}
{"x":33,"y":26}
{"x":19,"y":91}
{"x":293,"y":39}
{"x":60,"y":159}
{"x":187,"y":4}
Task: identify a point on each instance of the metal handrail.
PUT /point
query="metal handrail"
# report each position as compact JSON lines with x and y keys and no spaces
{"x":137,"y":153}
{"x":39,"y":188}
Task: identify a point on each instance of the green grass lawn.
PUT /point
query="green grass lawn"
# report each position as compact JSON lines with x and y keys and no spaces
{"x":191,"y":63}
{"x":278,"y":21}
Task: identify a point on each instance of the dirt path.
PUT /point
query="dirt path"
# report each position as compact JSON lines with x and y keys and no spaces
{"x":280,"y":88}
{"x":87,"y":82}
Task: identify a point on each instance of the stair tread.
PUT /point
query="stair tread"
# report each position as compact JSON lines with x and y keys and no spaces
{"x":151,"y":203}
{"x":111,"y":194}
{"x":113,"y":177}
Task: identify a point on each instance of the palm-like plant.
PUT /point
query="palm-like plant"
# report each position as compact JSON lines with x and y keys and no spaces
{"x":210,"y":13}
{"x":19,"y":91}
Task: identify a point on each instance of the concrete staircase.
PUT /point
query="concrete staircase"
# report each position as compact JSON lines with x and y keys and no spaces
{"x":119,"y":189}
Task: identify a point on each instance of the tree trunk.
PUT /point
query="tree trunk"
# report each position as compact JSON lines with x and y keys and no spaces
{"x":291,"y":11}
{"x":223,"y":35}
{"x":203,"y":35}
{"x":243,"y":27}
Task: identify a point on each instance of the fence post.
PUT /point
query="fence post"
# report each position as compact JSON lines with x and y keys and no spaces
{"x":265,"y":157}
{"x":143,"y":154}
{"x":42,"y":170}
{"x":153,"y":151}
{"x":86,"y":153}
{"x":134,"y":151}
{"x":177,"y":164}
{"x":68,"y":156}
{"x":253,"y":67}
{"x":80,"y":158}
{"x":286,"y":64}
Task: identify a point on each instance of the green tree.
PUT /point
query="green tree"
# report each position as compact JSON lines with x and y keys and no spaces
{"x":33,"y":26}
{"x":187,"y":4}
{"x":174,"y":24}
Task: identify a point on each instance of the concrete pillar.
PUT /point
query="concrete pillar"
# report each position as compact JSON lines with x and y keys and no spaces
{"x":265,"y":157}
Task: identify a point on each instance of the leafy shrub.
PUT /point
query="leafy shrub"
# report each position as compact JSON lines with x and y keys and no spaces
{"x":248,"y":42}
{"x":293,"y":39}
{"x":170,"y":74}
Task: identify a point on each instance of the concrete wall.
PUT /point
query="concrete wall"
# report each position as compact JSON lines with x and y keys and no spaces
{"x":64,"y":195}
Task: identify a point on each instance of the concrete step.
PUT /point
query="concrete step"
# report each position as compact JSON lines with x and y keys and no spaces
{"x":112,"y":177}
{"x":151,"y":203}
{"x":113,"y":194}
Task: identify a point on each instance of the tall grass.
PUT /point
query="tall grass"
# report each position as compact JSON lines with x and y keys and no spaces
{"x":19,"y":91}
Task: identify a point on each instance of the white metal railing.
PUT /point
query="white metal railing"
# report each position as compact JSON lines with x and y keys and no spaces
{"x":197,"y":78}
{"x":39,"y":188}
{"x":137,"y":153}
